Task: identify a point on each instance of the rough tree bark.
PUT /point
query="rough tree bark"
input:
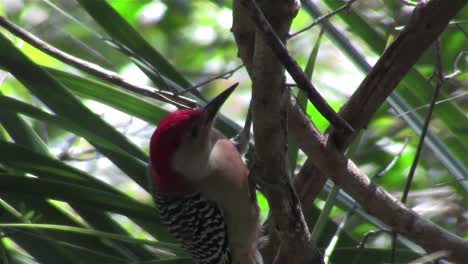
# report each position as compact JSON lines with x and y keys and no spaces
{"x":428,"y":21}
{"x":325,"y":153}
{"x":289,"y":239}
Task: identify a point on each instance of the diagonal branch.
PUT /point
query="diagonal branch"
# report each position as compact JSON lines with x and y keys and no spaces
{"x":374,"y":200}
{"x":319,"y":20}
{"x":96,"y":70}
{"x":428,"y":21}
{"x":289,"y":239}
{"x":279,"y":49}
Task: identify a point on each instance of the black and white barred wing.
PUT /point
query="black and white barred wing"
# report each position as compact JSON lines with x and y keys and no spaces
{"x":198,"y":225}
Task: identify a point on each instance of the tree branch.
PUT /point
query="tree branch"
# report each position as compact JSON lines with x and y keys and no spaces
{"x":96,"y":70}
{"x":428,"y":21}
{"x":319,"y":20}
{"x":266,"y":32}
{"x":289,"y":239}
{"x":374,"y":200}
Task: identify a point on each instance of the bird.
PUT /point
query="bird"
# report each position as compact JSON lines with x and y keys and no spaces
{"x":200,"y":185}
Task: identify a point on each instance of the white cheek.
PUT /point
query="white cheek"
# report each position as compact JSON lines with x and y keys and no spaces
{"x":194,"y":167}
{"x":215,"y":158}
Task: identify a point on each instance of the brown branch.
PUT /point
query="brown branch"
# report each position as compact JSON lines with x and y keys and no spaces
{"x":362,"y":107}
{"x":361,"y":246}
{"x":374,"y":200}
{"x":427,"y":22}
{"x":309,"y":182}
{"x":319,"y":20}
{"x":439,"y":79}
{"x":224,"y":75}
{"x":377,"y":86}
{"x":96,"y":70}
{"x":267,"y":33}
{"x":289,"y":239}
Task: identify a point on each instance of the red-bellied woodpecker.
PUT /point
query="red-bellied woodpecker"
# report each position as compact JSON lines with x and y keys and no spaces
{"x":200,"y":185}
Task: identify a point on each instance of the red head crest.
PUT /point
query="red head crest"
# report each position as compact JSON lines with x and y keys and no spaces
{"x":163,"y":145}
{"x":169,"y":135}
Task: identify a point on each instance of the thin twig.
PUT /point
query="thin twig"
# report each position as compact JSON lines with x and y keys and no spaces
{"x":42,"y":236}
{"x":428,"y":105}
{"x":334,"y":241}
{"x":426,"y":123}
{"x":454,"y":23}
{"x":292,"y":67}
{"x":429,"y":258}
{"x":224,"y":75}
{"x":455,"y":70}
{"x":353,"y":209}
{"x":68,"y":156}
{"x":140,"y":61}
{"x":323,"y":18}
{"x":392,"y":162}
{"x":121,"y":47}
{"x":93,"y":52}
{"x":439,"y":80}
{"x":362,"y":244}
{"x":394,"y":64}
{"x":96,"y":70}
{"x":68,"y":16}
{"x":450,"y":182}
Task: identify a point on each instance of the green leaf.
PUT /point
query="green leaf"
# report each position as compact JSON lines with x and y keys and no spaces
{"x":448,"y":155}
{"x":48,"y":213}
{"x":78,"y":194}
{"x":122,"y":32}
{"x":20,"y":131}
{"x":114,"y":97}
{"x":26,"y":160}
{"x":48,"y":168}
{"x":416,"y":89}
{"x":57,"y":97}
{"x":89,"y":232}
{"x":35,"y":243}
{"x":15,"y":106}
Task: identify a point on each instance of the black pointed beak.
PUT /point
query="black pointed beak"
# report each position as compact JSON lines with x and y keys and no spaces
{"x":213,"y":107}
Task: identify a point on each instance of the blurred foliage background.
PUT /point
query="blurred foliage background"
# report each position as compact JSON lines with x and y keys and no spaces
{"x":73,"y":147}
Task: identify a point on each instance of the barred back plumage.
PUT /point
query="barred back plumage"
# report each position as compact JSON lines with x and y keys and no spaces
{"x":198,"y":224}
